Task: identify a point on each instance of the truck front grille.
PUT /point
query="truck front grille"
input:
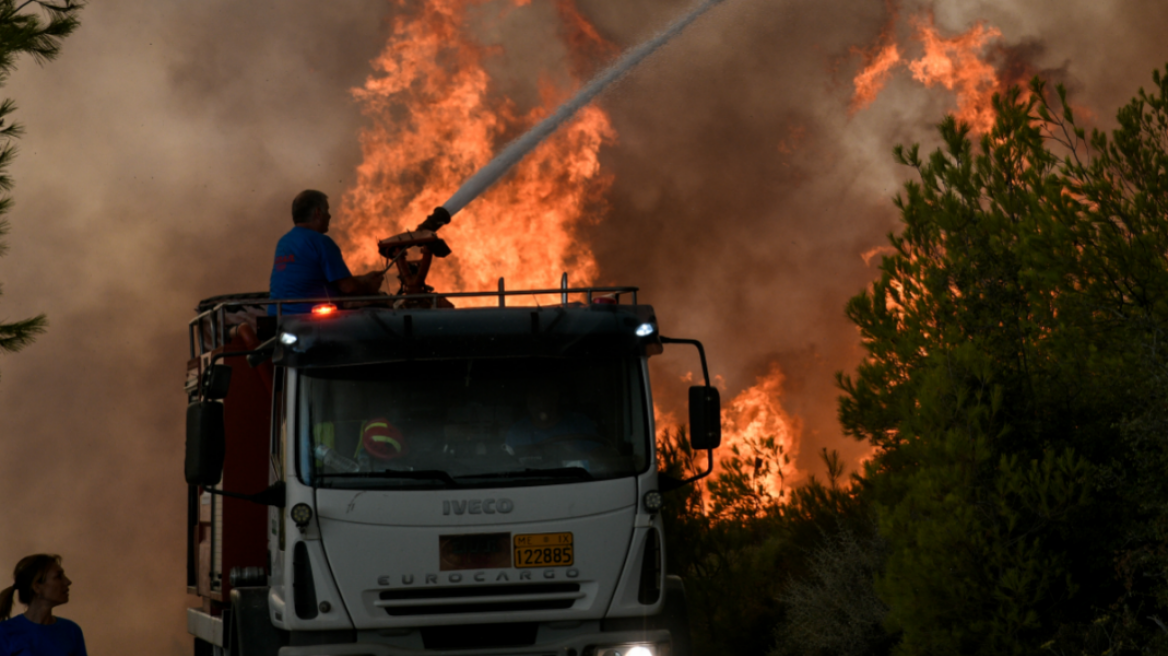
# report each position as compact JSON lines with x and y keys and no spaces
{"x":479,"y":636}
{"x":480,"y":599}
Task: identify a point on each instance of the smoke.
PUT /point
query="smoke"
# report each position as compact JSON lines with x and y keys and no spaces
{"x":163,"y":150}
{"x":517,"y":149}
{"x":165,"y":145}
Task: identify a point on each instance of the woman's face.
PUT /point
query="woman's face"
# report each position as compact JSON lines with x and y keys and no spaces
{"x":55,"y":588}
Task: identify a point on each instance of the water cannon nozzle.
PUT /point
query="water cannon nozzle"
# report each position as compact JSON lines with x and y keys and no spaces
{"x":390,"y":248}
{"x":436,"y":220}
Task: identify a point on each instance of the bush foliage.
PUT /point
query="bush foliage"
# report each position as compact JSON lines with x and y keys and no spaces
{"x":1016,"y":391}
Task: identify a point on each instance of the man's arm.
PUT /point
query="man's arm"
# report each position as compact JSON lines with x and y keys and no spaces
{"x":364,"y":285}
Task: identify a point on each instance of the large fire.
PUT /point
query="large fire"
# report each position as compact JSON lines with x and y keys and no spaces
{"x":435,"y":121}
{"x":957,"y":63}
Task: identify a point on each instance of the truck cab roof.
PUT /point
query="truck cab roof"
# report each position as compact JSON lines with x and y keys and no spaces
{"x":371,"y":335}
{"x":375,"y":331}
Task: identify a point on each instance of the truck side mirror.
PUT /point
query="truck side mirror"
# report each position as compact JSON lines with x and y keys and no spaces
{"x":206,"y":443}
{"x":705,"y":417}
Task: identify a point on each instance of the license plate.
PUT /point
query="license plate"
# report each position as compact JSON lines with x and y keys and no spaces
{"x":476,"y":551}
{"x":543,"y":550}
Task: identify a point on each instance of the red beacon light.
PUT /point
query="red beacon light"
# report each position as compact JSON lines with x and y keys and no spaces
{"x":324,"y":310}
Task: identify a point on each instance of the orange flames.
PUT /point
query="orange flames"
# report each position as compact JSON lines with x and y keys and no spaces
{"x":751,"y":421}
{"x":759,"y":438}
{"x":435,"y":121}
{"x":956,"y":63}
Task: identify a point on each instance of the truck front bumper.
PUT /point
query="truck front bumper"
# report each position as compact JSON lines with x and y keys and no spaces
{"x":589,"y":644}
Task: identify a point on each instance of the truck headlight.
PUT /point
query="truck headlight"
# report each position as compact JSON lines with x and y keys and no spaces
{"x":301,"y":515}
{"x":628,"y":650}
{"x":653,"y":501}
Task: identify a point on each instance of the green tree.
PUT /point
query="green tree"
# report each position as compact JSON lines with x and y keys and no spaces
{"x":40,"y":37}
{"x":1010,"y":341}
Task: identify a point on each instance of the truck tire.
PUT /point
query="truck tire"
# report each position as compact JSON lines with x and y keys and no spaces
{"x":252,"y":633}
{"x":676,"y":615}
{"x":204,"y":648}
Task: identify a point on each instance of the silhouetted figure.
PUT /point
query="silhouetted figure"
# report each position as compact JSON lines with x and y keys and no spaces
{"x":309,"y":264}
{"x":41,"y":585}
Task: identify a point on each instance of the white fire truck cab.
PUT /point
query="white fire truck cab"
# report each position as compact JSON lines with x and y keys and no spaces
{"x":423,"y":480}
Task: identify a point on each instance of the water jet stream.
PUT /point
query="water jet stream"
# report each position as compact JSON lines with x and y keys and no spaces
{"x":497,"y":167}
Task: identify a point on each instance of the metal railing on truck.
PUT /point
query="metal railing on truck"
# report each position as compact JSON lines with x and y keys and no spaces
{"x":213,"y":319}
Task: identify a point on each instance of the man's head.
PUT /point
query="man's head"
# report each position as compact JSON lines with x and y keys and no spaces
{"x":310,"y":209}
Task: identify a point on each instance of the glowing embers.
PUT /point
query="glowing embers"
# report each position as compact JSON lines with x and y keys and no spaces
{"x":324,"y":310}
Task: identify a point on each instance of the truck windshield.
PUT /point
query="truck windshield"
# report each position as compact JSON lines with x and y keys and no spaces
{"x":472,"y":423}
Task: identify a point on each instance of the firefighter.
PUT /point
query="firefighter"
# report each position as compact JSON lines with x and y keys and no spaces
{"x":308,"y":262}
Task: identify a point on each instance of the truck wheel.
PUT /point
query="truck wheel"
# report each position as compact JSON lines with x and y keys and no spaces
{"x":204,"y":648}
{"x":252,"y":632}
{"x":676,"y":615}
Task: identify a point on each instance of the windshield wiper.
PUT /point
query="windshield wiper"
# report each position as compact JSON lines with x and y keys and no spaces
{"x":551,"y":472}
{"x":422,"y":475}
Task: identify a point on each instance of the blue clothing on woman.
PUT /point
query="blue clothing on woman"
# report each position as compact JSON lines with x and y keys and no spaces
{"x":21,"y":637}
{"x":307,"y":265}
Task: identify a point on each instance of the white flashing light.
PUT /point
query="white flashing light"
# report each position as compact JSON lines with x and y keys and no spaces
{"x":646,"y":329}
{"x":638,"y":651}
{"x":288,"y":339}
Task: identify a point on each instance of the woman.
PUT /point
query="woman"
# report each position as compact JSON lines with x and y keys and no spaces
{"x":40,"y":584}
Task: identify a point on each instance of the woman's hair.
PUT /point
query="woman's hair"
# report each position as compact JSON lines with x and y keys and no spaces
{"x":30,"y":570}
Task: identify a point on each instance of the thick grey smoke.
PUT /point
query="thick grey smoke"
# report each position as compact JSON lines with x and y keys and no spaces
{"x":165,"y":145}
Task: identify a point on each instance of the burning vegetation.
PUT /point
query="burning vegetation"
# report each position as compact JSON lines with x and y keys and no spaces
{"x":436,"y":118}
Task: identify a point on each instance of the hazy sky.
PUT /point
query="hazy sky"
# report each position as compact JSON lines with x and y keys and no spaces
{"x":164,"y":146}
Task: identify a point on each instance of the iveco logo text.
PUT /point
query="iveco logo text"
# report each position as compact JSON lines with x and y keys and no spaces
{"x":478,"y":507}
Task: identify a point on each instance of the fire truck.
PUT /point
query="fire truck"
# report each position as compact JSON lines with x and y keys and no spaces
{"x":396,"y":476}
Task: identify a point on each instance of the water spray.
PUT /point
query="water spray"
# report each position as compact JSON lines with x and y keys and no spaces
{"x":516,"y":150}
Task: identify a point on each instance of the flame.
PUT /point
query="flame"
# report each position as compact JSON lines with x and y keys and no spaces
{"x":752,"y":418}
{"x":435,"y":121}
{"x":758,"y":436}
{"x":879,"y":60}
{"x":875,"y":74}
{"x":956,"y":63}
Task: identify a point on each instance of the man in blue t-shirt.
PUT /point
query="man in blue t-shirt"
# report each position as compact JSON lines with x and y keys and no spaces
{"x":309,"y":264}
